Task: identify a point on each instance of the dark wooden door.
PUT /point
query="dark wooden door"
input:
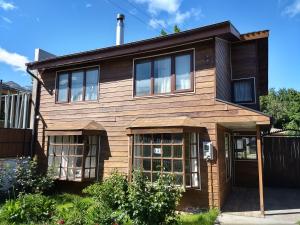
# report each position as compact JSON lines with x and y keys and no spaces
{"x":281,"y":161}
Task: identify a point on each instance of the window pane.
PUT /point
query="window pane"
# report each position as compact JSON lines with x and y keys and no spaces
{"x":77,"y":86}
{"x":93,"y":161}
{"x":194,"y":163}
{"x":243,"y":90}
{"x":177,"y":138}
{"x":137,"y":150}
{"x":87,"y":173}
{"x":93,"y":173}
{"x":177,"y":166}
{"x":137,"y":164}
{"x":193,"y":151}
{"x":162,"y":75}
{"x":91,"y":86}
{"x":156,"y":151}
{"x":178,"y":179}
{"x":157,"y":138}
{"x":177,"y":151}
{"x":63,"y":88}
{"x":87,"y":162}
{"x":156,"y":166}
{"x":147,"y":164}
{"x":167,"y":138}
{"x":245,"y":148}
{"x":183,"y":72}
{"x":167,"y":167}
{"x":138,"y":139}
{"x":167,"y":151}
{"x":195,"y":180}
{"x":147,"y":151}
{"x":147,"y":138}
{"x":142,"y":78}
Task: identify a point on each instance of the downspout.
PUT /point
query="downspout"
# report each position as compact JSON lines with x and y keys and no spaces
{"x":34,"y":108}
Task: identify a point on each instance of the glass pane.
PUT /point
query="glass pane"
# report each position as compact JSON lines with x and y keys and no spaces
{"x":243,"y":90}
{"x":162,"y":75}
{"x":87,"y":162}
{"x":142,"y":78}
{"x":72,"y":150}
{"x":77,"y":86}
{"x":78,"y":161}
{"x":148,"y":176}
{"x":87,"y":173}
{"x":71,"y":161}
{"x":65,"y":150}
{"x":178,"y":179}
{"x":177,"y":138}
{"x":147,"y":138}
{"x":157,"y":138}
{"x":155,"y":177}
{"x":147,"y":164}
{"x":51,"y":150}
{"x":79,"y":150}
{"x":138,"y":139}
{"x":147,"y":150}
{"x":51,"y":139}
{"x":78,"y":173}
{"x":167,"y":167}
{"x":177,"y":166}
{"x":93,"y":173}
{"x":94,"y":150}
{"x":137,"y":164}
{"x":193,"y":151}
{"x":50,"y":161}
{"x":188,"y":180}
{"x":63,"y":88}
{"x":137,"y":150}
{"x":71,"y":174}
{"x":57,"y":161}
{"x":167,"y":138}
{"x":183,"y":72}
{"x":58,"y":140}
{"x":193,"y":138}
{"x":58,"y":150}
{"x":195,"y":181}
{"x":93,"y":162}
{"x":66,"y":139}
{"x":157,"y":151}
{"x":71,"y":139}
{"x":57,"y":172}
{"x":63,"y":173}
{"x":194,"y":163}
{"x":177,"y":151}
{"x":167,"y":151}
{"x":91,"y":90}
{"x":156,"y":165}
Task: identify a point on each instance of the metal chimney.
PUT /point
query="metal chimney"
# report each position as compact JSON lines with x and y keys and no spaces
{"x":120,"y":29}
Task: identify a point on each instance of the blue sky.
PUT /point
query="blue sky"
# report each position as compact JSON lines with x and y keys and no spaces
{"x":67,"y":26}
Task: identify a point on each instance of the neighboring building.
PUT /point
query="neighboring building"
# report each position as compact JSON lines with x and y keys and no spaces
{"x":160,"y":105}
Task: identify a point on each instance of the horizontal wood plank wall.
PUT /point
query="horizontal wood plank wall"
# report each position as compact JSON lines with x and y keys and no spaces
{"x":244,"y":56}
{"x":15,"y":142}
{"x":223,"y":70}
{"x":116,"y":109}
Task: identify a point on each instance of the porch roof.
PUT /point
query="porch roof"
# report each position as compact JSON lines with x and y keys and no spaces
{"x":75,"y":128}
{"x":166,"y":124}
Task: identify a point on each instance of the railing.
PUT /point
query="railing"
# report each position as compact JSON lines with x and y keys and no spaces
{"x":15,"y":110}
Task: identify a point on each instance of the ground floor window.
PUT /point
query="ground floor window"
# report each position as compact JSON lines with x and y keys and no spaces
{"x":166,"y":153}
{"x":73,"y":157}
{"x":245,"y":148}
{"x":228,"y":155}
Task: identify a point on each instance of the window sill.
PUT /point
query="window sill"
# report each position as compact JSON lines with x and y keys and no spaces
{"x":166,"y":95}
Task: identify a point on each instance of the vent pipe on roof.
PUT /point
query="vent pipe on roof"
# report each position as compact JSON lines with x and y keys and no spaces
{"x":120,"y":29}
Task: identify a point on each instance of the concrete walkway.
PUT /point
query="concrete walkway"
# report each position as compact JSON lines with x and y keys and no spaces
{"x":282,"y":207}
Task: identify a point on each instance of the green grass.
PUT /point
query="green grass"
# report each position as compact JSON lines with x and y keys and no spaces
{"x":207,"y":218}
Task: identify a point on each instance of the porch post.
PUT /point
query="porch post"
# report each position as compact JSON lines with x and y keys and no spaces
{"x":260,"y":171}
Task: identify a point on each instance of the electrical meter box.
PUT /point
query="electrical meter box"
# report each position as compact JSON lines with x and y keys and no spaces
{"x":208,"y":150}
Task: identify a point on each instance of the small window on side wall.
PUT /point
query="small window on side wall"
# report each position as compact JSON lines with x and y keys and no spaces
{"x":243,"y":90}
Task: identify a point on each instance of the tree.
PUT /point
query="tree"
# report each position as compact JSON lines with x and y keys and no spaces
{"x":163,"y":32}
{"x":284,"y":106}
{"x":176,"y":29}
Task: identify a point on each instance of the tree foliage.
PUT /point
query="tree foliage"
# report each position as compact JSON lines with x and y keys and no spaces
{"x":176,"y":29}
{"x":163,"y":32}
{"x":284,"y":106}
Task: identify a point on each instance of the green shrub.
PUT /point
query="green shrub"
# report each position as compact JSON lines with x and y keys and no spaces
{"x":152,"y":203}
{"x":28,"y":208}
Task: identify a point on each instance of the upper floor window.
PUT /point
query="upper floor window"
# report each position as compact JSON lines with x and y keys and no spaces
{"x":78,"y":85}
{"x":243,"y":91}
{"x":166,"y":74}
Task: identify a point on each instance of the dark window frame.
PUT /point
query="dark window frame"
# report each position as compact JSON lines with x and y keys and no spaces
{"x":69,"y":86}
{"x":172,"y":56}
{"x":252,"y":80}
{"x":235,"y":149}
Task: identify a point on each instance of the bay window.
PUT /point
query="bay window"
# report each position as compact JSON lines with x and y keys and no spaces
{"x":168,"y":153}
{"x":73,"y":157}
{"x":164,"y":74}
{"x":79,"y":85}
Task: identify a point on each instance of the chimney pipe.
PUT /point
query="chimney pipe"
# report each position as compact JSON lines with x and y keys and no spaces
{"x":120,"y":29}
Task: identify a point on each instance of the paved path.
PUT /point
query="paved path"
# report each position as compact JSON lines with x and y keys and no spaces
{"x":282,"y":207}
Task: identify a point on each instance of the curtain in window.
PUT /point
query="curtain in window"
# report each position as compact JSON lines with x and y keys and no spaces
{"x":63,"y":88}
{"x":142,"y":79}
{"x":162,"y":75}
{"x":182,"y":71}
{"x":77,"y":86}
{"x":243,"y":91}
{"x":91,"y":89}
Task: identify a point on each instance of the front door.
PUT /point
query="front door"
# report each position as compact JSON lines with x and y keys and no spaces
{"x":245,"y":161}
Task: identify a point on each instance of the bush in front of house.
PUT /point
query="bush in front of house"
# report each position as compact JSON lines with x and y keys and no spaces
{"x":27,"y":209}
{"x":26,"y":177}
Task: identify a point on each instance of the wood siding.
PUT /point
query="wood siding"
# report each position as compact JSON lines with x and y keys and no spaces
{"x":223,"y":70}
{"x":117,"y":108}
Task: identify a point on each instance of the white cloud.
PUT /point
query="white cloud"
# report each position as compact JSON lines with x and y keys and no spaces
{"x":155,"y":23}
{"x":7,"y":5}
{"x":293,"y":9}
{"x":180,"y":18}
{"x":15,"y":60}
{"x":88,"y":5}
{"x":6,"y":19}
{"x":156,"y":6}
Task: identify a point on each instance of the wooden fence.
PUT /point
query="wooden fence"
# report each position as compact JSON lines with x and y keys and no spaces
{"x":281,"y":161}
{"x":15,"y":142}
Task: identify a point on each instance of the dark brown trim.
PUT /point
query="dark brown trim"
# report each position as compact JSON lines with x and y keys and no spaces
{"x":152,"y":130}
